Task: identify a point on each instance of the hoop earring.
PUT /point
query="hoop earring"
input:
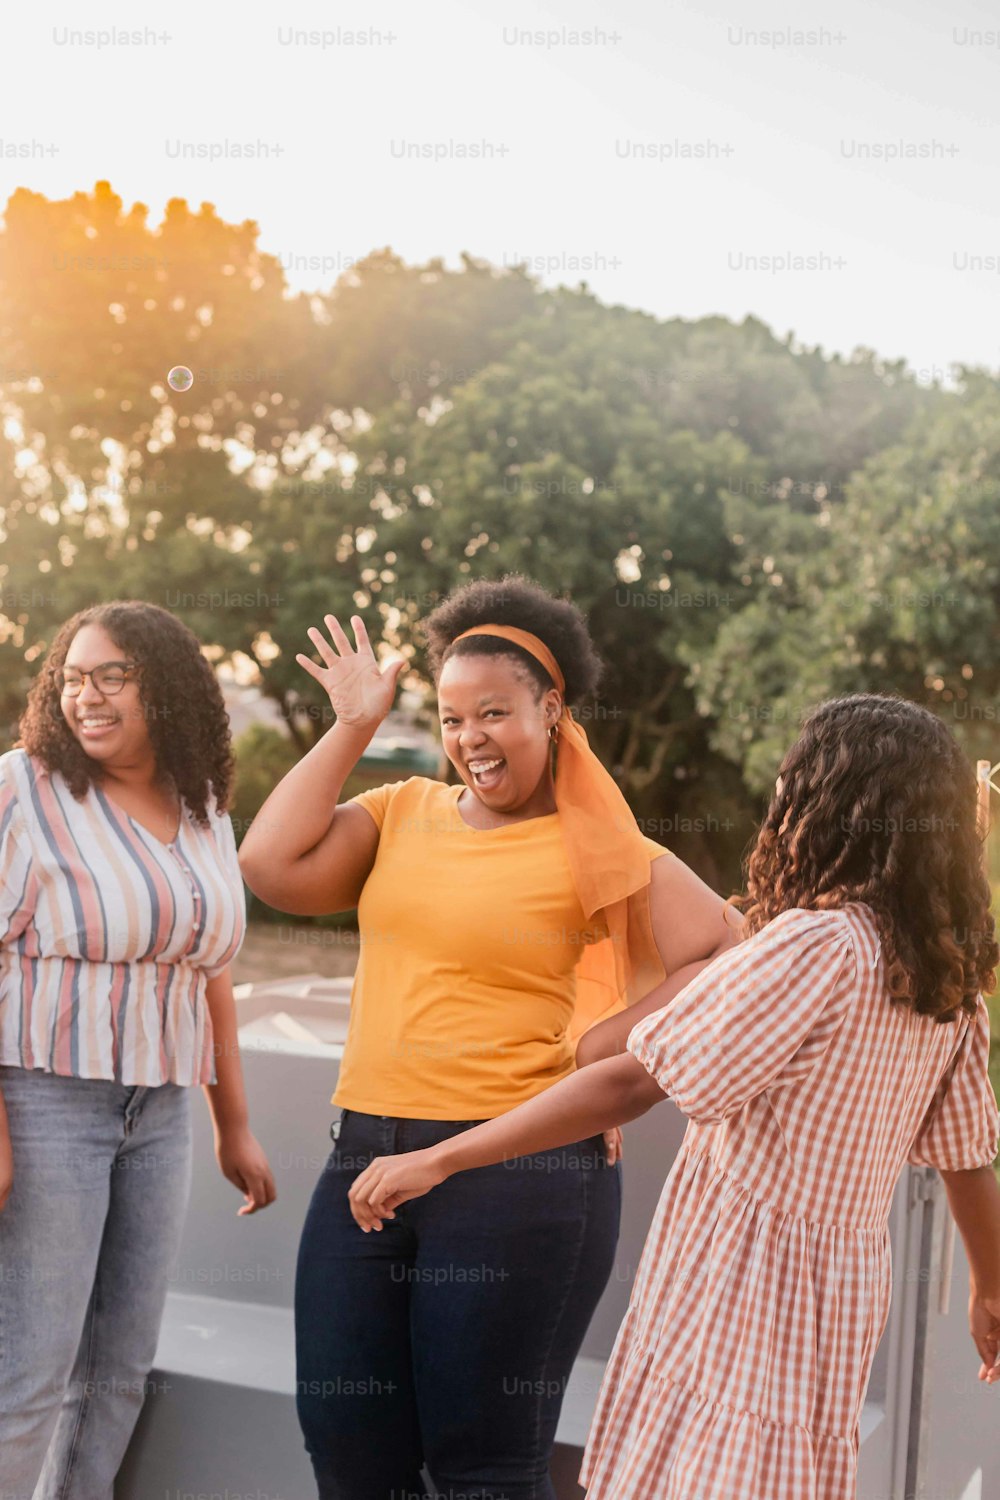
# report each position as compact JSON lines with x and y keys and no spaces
{"x":553,"y":731}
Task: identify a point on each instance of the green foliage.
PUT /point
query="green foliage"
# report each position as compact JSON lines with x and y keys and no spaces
{"x":729,"y":508}
{"x":751,"y":526}
{"x":893,"y":589}
{"x":263,"y":755}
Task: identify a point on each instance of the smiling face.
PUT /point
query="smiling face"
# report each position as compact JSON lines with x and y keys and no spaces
{"x":495,"y":730}
{"x":111,"y":729}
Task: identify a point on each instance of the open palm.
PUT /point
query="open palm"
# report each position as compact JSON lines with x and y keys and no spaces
{"x":360,"y":692}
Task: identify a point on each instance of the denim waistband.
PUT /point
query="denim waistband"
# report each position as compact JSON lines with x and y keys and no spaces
{"x":388,"y":1135}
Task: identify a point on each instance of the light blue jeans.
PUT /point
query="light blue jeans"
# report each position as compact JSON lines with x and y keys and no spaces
{"x":102,"y":1172}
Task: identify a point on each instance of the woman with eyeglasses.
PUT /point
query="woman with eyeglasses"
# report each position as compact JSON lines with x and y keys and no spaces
{"x":121,"y":909}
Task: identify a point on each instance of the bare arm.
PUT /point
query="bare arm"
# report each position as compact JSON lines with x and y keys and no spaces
{"x":6,"y":1156}
{"x":691,"y":929}
{"x":610,"y":1093}
{"x":974,"y":1199}
{"x":239,"y":1155}
{"x":304,"y":854}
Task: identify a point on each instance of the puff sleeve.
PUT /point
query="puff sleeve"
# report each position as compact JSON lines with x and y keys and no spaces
{"x":959,"y":1130}
{"x":758,"y":1017}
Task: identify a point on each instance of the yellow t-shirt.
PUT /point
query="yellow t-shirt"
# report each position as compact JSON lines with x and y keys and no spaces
{"x":465,"y":986}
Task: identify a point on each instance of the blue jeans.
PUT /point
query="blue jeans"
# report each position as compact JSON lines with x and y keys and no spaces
{"x":446,"y":1339}
{"x":101,"y":1178}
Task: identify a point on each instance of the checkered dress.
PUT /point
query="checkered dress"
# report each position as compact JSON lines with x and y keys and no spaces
{"x":741,"y":1367}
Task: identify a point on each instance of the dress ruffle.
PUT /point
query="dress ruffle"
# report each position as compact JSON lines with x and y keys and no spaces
{"x":673,"y":1444}
{"x":740,"y":1370}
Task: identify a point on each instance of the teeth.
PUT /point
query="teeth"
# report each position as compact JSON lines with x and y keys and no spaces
{"x":93,"y":723}
{"x":477,"y":767}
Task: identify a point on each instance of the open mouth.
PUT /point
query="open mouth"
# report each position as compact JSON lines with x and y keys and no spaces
{"x":487,"y":772}
{"x":95,"y":726}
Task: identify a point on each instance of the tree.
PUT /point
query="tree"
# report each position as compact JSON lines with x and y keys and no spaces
{"x":703,"y":490}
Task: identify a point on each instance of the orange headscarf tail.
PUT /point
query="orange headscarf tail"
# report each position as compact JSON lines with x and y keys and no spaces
{"x":608,"y":856}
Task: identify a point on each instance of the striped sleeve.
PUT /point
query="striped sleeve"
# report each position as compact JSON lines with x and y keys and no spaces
{"x":225,"y":838}
{"x":960,"y":1129}
{"x":758,"y":1017}
{"x":16,"y":877}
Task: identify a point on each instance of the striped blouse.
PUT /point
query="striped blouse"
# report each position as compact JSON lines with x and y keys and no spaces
{"x":108,"y":936}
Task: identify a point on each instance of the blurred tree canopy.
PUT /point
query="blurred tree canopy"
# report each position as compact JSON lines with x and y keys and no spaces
{"x":750,"y":525}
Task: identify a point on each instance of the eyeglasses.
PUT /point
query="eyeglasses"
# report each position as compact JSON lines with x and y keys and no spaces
{"x":109,"y":678}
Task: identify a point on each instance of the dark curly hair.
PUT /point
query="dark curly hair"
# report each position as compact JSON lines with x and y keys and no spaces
{"x":185,"y":714}
{"x":516,"y":600}
{"x":878,"y":804}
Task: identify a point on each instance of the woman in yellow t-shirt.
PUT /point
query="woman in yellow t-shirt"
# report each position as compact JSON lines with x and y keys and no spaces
{"x":498,"y":917}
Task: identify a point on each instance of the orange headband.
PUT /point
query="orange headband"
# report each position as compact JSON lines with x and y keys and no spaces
{"x":609,"y":857}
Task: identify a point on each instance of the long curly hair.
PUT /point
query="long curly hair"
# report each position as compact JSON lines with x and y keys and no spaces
{"x":185,"y":714}
{"x":516,"y":600}
{"x":877,"y":803}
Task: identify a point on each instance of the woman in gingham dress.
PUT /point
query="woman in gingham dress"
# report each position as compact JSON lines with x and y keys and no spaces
{"x":845,"y":1036}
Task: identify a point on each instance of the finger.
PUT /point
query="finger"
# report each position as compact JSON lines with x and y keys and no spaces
{"x":248,"y":1205}
{"x":323,"y":646}
{"x":258,"y":1191}
{"x":310,"y":666}
{"x":381,"y":1202}
{"x":364,"y":1189}
{"x":361,"y":636}
{"x":377,"y":1205}
{"x":243,"y":1183}
{"x":367,"y":1220}
{"x":338,"y":635}
{"x":986,"y":1348}
{"x":366,"y":1183}
{"x":384,"y":1198}
{"x":359,"y":1188}
{"x":366,"y":1217}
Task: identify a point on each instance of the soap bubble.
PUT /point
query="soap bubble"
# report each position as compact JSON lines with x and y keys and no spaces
{"x":180,"y":378}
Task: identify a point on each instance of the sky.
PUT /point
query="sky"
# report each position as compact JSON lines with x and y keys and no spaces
{"x":831,"y":171}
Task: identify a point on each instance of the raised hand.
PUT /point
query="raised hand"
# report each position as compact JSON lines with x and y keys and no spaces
{"x":360,"y":692}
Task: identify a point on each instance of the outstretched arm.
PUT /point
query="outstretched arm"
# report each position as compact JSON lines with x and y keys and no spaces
{"x":607,"y":1093}
{"x":692,"y":926}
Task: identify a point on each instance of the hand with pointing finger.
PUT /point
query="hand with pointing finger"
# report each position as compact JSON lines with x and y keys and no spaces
{"x":360,"y":691}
